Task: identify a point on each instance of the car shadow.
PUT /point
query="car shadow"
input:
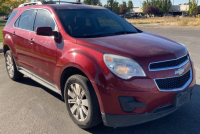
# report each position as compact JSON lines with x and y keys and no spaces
{"x":30,"y":82}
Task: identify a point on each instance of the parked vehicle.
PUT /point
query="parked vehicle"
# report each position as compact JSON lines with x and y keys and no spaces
{"x":104,"y":68}
{"x":134,"y":16}
{"x":183,"y":16}
{"x":127,"y":16}
{"x":6,"y":17}
{"x":141,"y":16}
{"x":168,"y":15}
{"x":121,"y":15}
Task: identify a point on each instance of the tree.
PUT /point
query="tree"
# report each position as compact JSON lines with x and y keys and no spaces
{"x":91,"y":2}
{"x":162,"y":5}
{"x":130,"y":5}
{"x":192,"y":7}
{"x":6,"y":6}
{"x":123,"y":10}
{"x":197,"y":11}
{"x":152,"y":10}
{"x":123,"y":5}
{"x":100,"y":4}
{"x":115,"y":7}
{"x":110,"y":4}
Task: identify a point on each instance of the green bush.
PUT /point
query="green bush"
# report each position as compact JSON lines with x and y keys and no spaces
{"x":198,"y":15}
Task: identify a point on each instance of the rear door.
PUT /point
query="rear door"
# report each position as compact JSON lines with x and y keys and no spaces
{"x":23,"y":27}
{"x":44,"y":49}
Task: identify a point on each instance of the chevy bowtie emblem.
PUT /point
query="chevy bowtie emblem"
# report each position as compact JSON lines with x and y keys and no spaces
{"x":179,"y":71}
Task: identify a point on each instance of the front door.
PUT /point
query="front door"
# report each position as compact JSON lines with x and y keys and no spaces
{"x":44,"y":50}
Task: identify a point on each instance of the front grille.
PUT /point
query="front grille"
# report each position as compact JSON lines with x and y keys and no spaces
{"x":170,"y":63}
{"x":174,"y":82}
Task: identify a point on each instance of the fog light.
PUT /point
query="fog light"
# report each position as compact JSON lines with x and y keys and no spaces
{"x":128,"y":103}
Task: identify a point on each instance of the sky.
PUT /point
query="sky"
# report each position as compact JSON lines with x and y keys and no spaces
{"x":136,"y":3}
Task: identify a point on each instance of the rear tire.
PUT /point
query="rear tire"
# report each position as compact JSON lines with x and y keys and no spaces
{"x":11,"y":68}
{"x":81,"y":102}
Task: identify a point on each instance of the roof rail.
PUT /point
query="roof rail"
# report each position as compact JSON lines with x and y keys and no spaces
{"x":48,"y":2}
{"x":31,"y":3}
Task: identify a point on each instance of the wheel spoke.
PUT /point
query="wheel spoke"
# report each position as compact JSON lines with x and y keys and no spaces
{"x":82,"y":94}
{"x":73,"y":108}
{"x":84,"y":110}
{"x":78,"y":90}
{"x":73,"y":89}
{"x":85,"y":102}
{"x":71,"y":94}
{"x":71,"y":101}
{"x":82,"y":116}
{"x":77,"y":113}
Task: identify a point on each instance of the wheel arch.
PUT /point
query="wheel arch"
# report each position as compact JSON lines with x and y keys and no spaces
{"x":76,"y":69}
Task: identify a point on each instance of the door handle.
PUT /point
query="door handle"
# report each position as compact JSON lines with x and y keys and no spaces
{"x":31,"y":40}
{"x":14,"y":33}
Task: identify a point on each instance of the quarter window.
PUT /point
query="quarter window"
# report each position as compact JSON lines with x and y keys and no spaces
{"x":44,"y":18}
{"x":11,"y":16}
{"x":27,"y":19}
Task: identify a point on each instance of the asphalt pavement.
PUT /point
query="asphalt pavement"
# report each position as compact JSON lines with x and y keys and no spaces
{"x":27,"y":107}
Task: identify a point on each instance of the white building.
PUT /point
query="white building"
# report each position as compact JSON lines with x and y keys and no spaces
{"x":175,"y":9}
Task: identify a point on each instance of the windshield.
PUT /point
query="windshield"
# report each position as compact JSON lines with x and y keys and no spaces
{"x":86,"y":23}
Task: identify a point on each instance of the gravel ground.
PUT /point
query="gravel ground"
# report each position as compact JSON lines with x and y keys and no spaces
{"x":27,"y":107}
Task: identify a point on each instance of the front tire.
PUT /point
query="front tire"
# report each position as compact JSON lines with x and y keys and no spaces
{"x":81,"y":102}
{"x":11,"y":68}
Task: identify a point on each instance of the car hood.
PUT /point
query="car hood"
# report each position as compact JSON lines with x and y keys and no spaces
{"x":142,"y":47}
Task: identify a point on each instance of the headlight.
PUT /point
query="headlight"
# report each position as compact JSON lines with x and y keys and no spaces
{"x":123,"y":67}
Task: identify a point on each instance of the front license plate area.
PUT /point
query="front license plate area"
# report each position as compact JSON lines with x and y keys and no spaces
{"x":182,"y":97}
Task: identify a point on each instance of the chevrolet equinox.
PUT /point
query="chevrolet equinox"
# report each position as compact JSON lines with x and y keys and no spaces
{"x":104,"y":68}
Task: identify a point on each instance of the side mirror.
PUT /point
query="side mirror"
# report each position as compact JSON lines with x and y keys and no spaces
{"x":46,"y":31}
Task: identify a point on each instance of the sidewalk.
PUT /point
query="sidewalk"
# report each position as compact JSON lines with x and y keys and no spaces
{"x":1,"y":47}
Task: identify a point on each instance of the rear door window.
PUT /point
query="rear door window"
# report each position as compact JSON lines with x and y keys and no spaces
{"x":12,"y":16}
{"x":44,"y":18}
{"x":27,"y":19}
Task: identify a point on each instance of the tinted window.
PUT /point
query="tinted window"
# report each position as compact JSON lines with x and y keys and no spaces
{"x":44,"y":18}
{"x":27,"y":19}
{"x":93,"y":23}
{"x":12,"y":16}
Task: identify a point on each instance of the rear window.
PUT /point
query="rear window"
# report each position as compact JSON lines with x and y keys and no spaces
{"x":12,"y":16}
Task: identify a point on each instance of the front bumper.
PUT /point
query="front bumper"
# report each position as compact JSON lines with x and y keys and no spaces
{"x":112,"y":120}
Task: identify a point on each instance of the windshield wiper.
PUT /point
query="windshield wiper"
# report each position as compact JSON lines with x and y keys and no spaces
{"x":95,"y":35}
{"x":104,"y":34}
{"x":125,"y":32}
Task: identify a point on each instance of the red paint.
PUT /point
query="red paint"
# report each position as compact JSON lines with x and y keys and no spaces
{"x":48,"y":57}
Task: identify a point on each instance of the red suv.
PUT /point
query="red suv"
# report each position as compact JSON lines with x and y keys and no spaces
{"x":104,"y":68}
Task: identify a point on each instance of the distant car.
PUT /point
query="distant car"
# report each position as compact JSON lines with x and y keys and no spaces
{"x":134,"y":16}
{"x":140,"y":16}
{"x":183,"y":16}
{"x":121,"y":15}
{"x":127,"y":16}
{"x":168,"y":15}
{"x":6,"y":17}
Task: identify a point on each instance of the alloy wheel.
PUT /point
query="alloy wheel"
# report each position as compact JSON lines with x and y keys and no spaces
{"x":78,"y":102}
{"x":9,"y":65}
